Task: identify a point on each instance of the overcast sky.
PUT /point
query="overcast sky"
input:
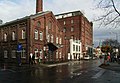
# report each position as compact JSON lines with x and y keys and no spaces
{"x":14,"y":9}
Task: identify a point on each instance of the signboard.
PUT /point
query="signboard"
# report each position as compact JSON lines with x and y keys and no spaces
{"x":19,"y":47}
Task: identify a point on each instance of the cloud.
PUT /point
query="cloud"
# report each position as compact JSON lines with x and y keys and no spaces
{"x":13,"y":10}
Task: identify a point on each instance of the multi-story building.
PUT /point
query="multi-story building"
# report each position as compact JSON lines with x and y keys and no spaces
{"x":38,"y":34}
{"x":77,"y":27}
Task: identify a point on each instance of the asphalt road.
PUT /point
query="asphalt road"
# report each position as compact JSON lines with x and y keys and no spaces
{"x":73,"y":72}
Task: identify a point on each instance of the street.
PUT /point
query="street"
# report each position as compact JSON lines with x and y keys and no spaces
{"x":72,"y":72}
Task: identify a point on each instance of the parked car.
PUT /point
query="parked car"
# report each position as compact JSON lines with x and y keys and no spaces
{"x":87,"y":57}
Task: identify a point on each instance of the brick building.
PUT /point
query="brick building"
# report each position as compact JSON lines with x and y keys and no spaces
{"x":77,"y":27}
{"x":38,"y":34}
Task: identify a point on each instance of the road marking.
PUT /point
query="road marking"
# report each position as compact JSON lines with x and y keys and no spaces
{"x":99,"y":74}
{"x":7,"y":70}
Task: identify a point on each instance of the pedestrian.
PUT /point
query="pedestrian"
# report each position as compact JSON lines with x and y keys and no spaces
{"x":30,"y":58}
{"x":33,"y":58}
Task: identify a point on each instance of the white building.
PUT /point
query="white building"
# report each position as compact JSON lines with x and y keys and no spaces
{"x":75,"y":50}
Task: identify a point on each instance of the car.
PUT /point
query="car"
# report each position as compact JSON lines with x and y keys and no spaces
{"x":86,"y":57}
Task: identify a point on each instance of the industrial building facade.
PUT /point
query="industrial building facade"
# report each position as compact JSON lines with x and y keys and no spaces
{"x":49,"y":37}
{"x":77,"y":27}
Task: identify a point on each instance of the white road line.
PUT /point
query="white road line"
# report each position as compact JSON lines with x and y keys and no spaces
{"x":99,"y":74}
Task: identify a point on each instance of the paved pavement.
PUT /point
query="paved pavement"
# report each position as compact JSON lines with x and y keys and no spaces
{"x":112,"y":66}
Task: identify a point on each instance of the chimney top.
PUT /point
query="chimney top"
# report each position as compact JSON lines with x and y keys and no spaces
{"x":39,"y":6}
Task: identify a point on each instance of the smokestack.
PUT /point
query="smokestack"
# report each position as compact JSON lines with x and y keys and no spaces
{"x":39,"y":6}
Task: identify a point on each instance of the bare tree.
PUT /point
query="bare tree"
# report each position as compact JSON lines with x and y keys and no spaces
{"x":110,"y":13}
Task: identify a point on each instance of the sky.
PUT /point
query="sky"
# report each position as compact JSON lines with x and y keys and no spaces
{"x":15,"y":9}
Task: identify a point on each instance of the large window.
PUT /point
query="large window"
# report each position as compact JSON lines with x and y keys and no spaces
{"x":36,"y":53}
{"x":5,"y":54}
{"x":41,"y":54}
{"x":56,"y":54}
{"x":73,"y":47}
{"x":23,"y":53}
{"x":72,"y":29}
{"x":41,"y":36}
{"x":13,"y":54}
{"x":36,"y":34}
{"x":48,"y":38}
{"x":38,"y":24}
{"x":56,"y":40}
{"x":64,"y":23}
{"x":13,"y":35}
{"x":64,"y":29}
{"x":23,"y":34}
{"x":60,"y":41}
{"x":5,"y":37}
{"x":72,"y":21}
{"x":52,"y":38}
{"x":49,"y":25}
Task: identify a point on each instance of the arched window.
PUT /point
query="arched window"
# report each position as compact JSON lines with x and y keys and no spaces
{"x":36,"y":34}
{"x":13,"y":35}
{"x":5,"y":37}
{"x":39,"y":24}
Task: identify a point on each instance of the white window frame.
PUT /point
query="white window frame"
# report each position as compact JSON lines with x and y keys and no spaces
{"x":56,"y":54}
{"x":56,"y":40}
{"x":13,"y":35}
{"x":60,"y":41}
{"x":23,"y":34}
{"x":36,"y":52}
{"x":52,"y":38}
{"x":36,"y":34}
{"x":72,"y":29}
{"x":72,"y":21}
{"x":41,"y":36}
{"x":5,"y":37}
{"x":23,"y":53}
{"x":5,"y":54}
{"x":48,"y":38}
{"x":64,"y":23}
{"x":13,"y":54}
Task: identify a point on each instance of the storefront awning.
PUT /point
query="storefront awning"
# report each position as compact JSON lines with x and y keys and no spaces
{"x":52,"y":47}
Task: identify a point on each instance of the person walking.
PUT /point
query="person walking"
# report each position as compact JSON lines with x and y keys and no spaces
{"x":30,"y":58}
{"x":33,"y":59}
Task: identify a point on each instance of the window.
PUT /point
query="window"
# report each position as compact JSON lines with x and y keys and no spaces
{"x":76,"y":48}
{"x":41,"y":36}
{"x":73,"y":47}
{"x":49,"y":25}
{"x":64,"y":30}
{"x":36,"y":53}
{"x":23,"y":34}
{"x":38,"y":24}
{"x":56,"y":40}
{"x":57,"y":55}
{"x":13,"y":35}
{"x":72,"y":36}
{"x":5,"y":37}
{"x":60,"y":54}
{"x":72,"y":29}
{"x":64,"y":23}
{"x":48,"y":38}
{"x":41,"y":54}
{"x":5,"y":54}
{"x":23,"y":53}
{"x":13,"y":54}
{"x":52,"y":39}
{"x":72,"y":21}
{"x":36,"y":34}
{"x":79,"y":48}
{"x":60,"y":41}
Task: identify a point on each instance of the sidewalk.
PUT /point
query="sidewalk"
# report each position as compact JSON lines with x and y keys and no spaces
{"x":112,"y":66}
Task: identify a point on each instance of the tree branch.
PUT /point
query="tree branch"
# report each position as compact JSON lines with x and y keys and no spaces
{"x":115,"y":7}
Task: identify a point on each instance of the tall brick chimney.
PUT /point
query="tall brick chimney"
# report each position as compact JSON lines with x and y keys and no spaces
{"x":39,"y":6}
